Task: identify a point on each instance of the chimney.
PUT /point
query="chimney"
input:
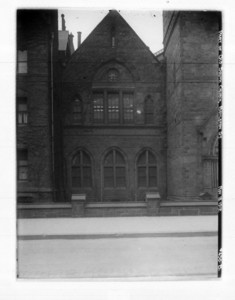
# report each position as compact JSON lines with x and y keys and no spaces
{"x":70,"y":43}
{"x":79,"y":38}
{"x":63,"y":23}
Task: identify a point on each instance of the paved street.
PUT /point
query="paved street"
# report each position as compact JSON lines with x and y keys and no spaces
{"x":141,"y":247}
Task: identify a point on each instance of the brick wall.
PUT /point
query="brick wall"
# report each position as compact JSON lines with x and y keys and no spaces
{"x":34,"y":29}
{"x":191,"y":50}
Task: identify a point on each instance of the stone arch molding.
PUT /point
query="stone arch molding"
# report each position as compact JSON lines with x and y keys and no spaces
{"x":123,"y":76}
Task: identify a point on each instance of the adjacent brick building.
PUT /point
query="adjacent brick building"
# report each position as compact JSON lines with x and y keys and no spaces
{"x":112,"y":129}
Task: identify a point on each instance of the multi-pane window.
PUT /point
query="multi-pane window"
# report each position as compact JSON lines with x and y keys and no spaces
{"x":22,"y":110}
{"x":113,"y":108}
{"x":98,"y":107}
{"x":128,"y":108}
{"x":114,"y":170}
{"x":147,"y":169}
{"x":149,"y":110}
{"x":22,"y":62}
{"x":77,"y":111}
{"x":22,"y":164}
{"x":81,"y":170}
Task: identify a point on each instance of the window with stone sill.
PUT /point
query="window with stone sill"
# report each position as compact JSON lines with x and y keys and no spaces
{"x":22,"y":164}
{"x":22,"y":62}
{"x":81,"y":170}
{"x":147,"y":170}
{"x":22,"y":111}
{"x":114,"y":170}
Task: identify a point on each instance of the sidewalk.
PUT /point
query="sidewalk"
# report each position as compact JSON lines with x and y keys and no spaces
{"x":120,"y":247}
{"x":117,"y":226}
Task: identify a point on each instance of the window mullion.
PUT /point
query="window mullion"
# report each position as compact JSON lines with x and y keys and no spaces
{"x":114,"y":168}
{"x":81,"y":168}
{"x":147,"y":168}
{"x":121,"y":106}
{"x":105,"y":96}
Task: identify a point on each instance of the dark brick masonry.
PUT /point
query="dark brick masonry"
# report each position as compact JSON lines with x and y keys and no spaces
{"x":181,"y":136}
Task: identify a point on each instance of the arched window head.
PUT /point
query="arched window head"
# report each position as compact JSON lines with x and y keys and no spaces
{"x":147,"y":169}
{"x":149,"y":110}
{"x":81,"y":170}
{"x":77,"y":110}
{"x":114,"y":170}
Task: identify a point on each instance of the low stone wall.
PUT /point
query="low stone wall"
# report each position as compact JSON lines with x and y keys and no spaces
{"x":175,"y":208}
{"x":44,"y":210}
{"x":151,"y":207}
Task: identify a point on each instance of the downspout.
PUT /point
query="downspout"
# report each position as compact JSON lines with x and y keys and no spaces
{"x":52,"y":119}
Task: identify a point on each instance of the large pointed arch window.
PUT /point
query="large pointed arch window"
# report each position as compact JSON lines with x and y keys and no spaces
{"x":114,"y":170}
{"x":81,"y":170}
{"x":147,"y":169}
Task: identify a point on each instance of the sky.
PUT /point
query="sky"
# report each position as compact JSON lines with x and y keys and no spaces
{"x":146,"y":23}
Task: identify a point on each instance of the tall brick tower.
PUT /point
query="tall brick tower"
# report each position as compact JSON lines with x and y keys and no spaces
{"x":191,"y":51}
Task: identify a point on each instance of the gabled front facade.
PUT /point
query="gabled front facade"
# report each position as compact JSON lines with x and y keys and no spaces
{"x":113,"y":114}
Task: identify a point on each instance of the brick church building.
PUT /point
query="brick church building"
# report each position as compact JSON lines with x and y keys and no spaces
{"x":111,"y":129}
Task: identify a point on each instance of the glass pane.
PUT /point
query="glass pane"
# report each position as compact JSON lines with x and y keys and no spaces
{"x":23,"y":173}
{"x":152,"y":176}
{"x":214,"y":173}
{"x":128,"y":107}
{"x":109,"y":159}
{"x":76,"y":177}
{"x":141,"y":176}
{"x":77,"y":110}
{"x":87,"y":182}
{"x":22,"y":107}
{"x":148,"y":106}
{"x":22,"y":67}
{"x":108,"y":177}
{"x":151,"y":158}
{"x":120,"y":177}
{"x":113,"y":108}
{"x":20,"y":118}
{"x":76,"y":181}
{"x":22,"y":55}
{"x":77,"y":106}
{"x":22,"y":154}
{"x":86,"y":159}
{"x":119,"y":158}
{"x":76,"y":172}
{"x":98,"y":107}
{"x":142,"y":159}
{"x":76,"y":160}
{"x":21,"y":101}
{"x":149,"y":118}
{"x":77,"y":116}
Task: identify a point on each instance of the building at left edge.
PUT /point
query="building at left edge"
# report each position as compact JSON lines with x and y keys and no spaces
{"x":95,"y":132}
{"x":41,"y":50}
